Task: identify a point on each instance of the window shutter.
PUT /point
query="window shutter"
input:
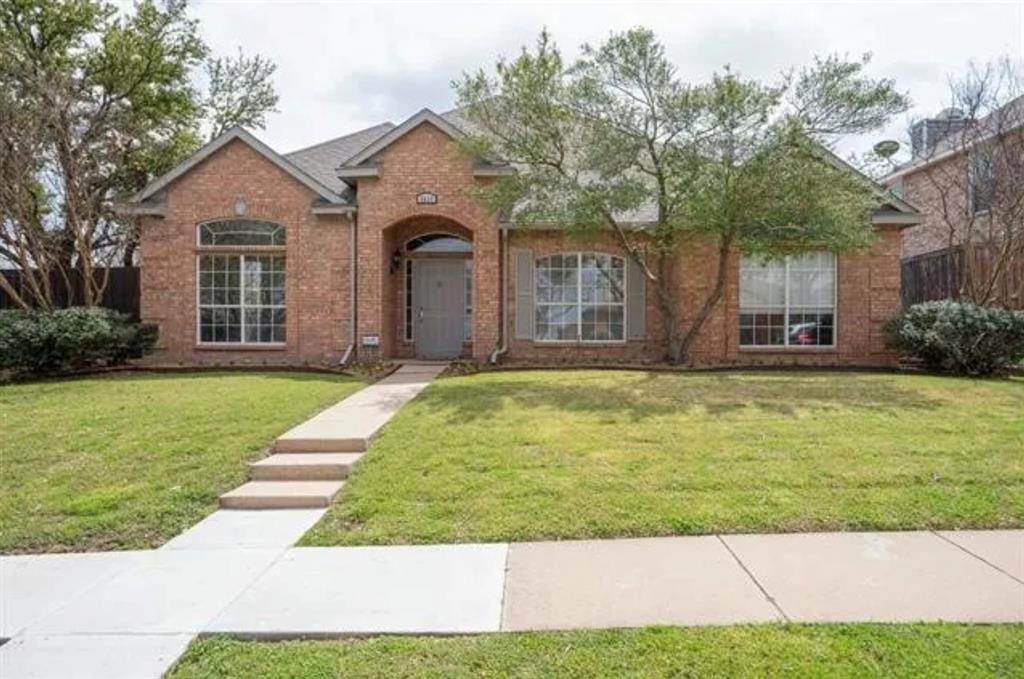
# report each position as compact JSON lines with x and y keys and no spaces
{"x":636,"y":300}
{"x":524,"y":294}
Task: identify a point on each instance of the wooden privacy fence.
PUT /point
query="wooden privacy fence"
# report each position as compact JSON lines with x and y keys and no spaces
{"x":121,"y":293}
{"x":936,"y":275}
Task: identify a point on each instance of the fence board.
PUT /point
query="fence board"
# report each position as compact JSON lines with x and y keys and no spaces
{"x":121,"y":293}
{"x":936,"y":275}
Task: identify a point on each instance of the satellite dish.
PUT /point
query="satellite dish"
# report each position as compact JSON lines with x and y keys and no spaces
{"x":887,"y":148}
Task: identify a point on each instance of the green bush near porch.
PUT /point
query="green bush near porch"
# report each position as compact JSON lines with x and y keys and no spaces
{"x":127,"y":462}
{"x":599,"y":454}
{"x":57,"y":341}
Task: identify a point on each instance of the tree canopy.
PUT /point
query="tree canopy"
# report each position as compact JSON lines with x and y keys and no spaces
{"x":616,"y":141}
{"x":94,"y":103}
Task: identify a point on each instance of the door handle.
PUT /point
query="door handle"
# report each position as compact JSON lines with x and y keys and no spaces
{"x":419,"y":314}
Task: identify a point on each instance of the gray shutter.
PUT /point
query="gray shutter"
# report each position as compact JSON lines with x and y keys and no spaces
{"x":636,"y":300}
{"x":524,"y":294}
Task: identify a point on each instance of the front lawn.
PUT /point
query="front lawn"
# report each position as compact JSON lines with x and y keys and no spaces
{"x":741,"y":651}
{"x":582,"y":454}
{"x":128,"y":462}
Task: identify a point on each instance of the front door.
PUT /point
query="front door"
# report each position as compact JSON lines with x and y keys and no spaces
{"x":439,"y":296}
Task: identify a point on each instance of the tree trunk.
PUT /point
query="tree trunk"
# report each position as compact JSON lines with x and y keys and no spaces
{"x":710,"y":301}
{"x":668,"y":307}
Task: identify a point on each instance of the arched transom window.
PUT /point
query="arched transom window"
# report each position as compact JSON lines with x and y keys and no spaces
{"x":580,"y":297}
{"x":241,"y":233}
{"x":438,"y":243}
{"x":241,"y":282}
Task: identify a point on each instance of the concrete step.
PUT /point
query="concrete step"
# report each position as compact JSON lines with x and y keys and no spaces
{"x":281,"y":495}
{"x":320,"y":444}
{"x":303,"y":466}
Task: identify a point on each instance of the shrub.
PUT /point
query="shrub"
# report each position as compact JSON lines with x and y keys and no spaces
{"x":63,"y":340}
{"x":959,"y":337}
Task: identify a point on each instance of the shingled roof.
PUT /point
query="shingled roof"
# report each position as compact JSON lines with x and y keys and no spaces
{"x":322,"y":160}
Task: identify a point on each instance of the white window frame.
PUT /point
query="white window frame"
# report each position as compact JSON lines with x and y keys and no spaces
{"x":241,"y":252}
{"x":242,"y":306}
{"x":579,"y":299}
{"x":254,"y":248}
{"x":786,"y":308}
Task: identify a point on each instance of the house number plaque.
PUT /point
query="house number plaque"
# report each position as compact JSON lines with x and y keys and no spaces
{"x":426,"y":198}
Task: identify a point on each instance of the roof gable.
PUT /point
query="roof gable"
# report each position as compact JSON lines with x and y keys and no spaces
{"x":885,"y":196}
{"x":396,"y":133}
{"x":236,"y":133}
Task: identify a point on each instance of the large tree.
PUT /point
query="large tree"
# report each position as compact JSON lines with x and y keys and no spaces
{"x":240,"y":92}
{"x":616,"y":142}
{"x":94,"y":104}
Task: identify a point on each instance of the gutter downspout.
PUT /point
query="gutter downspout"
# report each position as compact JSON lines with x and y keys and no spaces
{"x":503,"y":349}
{"x":352,"y":287}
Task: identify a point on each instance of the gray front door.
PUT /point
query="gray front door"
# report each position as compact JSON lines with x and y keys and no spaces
{"x":439,"y":296}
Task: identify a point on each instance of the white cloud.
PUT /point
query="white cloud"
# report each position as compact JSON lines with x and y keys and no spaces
{"x":344,"y":66}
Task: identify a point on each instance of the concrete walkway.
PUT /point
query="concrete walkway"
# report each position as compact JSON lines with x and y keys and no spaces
{"x":133,"y":613}
{"x":310,"y":462}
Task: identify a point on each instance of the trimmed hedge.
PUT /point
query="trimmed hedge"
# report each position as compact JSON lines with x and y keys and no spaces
{"x":959,"y":337}
{"x":64,"y":340}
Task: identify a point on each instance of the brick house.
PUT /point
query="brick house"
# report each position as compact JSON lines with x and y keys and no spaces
{"x":966,"y":176}
{"x":370,"y":246}
{"x":951,"y":176}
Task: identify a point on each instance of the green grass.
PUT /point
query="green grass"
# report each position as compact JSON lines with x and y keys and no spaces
{"x":129,"y":461}
{"x":742,"y":651}
{"x":578,"y":454}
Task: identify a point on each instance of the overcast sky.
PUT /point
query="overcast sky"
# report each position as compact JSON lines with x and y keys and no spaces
{"x":343,"y":66}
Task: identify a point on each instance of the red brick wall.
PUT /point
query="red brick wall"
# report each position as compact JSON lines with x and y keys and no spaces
{"x":317,"y":251}
{"x":868,"y":293}
{"x":924,"y":190}
{"x":946,"y":181}
{"x":395,"y":239}
{"x":424,"y":160}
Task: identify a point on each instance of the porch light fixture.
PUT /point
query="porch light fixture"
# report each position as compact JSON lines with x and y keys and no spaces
{"x":396,"y":262}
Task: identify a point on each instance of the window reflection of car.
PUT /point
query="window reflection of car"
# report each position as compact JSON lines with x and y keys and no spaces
{"x":803,"y":333}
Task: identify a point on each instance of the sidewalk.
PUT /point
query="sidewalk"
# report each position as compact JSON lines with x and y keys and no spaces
{"x":134,"y":613}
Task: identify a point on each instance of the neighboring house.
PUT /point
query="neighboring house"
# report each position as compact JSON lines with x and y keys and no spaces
{"x":952,"y":177}
{"x":369,"y":246}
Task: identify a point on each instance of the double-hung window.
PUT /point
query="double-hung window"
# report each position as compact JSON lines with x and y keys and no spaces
{"x":788,"y":302}
{"x":580,"y":297}
{"x":241,"y":267}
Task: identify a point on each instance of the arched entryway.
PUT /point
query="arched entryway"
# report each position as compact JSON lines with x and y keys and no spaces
{"x":439,"y":295}
{"x":432,"y":264}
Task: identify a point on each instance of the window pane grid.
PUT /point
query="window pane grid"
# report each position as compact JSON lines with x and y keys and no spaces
{"x":789,"y":302}
{"x":241,"y":232}
{"x":580,"y":297}
{"x":242,"y":299}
